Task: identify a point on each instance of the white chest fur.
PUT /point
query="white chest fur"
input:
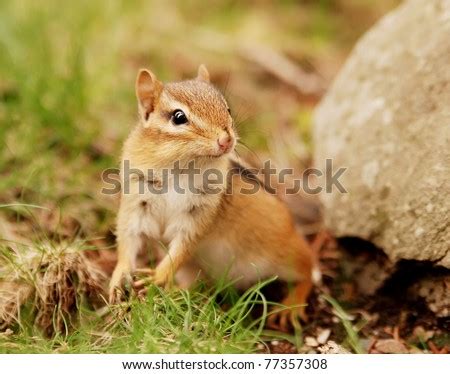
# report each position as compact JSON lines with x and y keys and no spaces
{"x":171,"y":207}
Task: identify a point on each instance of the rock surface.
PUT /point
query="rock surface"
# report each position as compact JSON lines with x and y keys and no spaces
{"x":386,"y":119}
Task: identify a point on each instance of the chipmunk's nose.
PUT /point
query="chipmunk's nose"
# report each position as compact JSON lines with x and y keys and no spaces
{"x":225,"y":141}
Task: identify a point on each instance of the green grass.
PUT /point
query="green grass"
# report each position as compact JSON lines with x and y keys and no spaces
{"x":202,"y":320}
{"x":351,"y":331}
{"x":64,"y":309}
{"x":167,"y":322}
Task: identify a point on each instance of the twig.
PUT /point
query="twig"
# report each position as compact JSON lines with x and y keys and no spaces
{"x":284,"y":69}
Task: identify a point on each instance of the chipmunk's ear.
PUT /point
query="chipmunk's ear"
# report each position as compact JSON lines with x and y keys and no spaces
{"x":148,"y":90}
{"x":203,"y":74}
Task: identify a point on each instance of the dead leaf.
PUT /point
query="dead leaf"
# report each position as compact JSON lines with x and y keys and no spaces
{"x":390,"y":346}
{"x":332,"y":348}
{"x":311,"y":341}
{"x":323,"y":336}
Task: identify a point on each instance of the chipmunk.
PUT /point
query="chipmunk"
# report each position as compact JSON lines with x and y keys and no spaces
{"x":251,"y":237}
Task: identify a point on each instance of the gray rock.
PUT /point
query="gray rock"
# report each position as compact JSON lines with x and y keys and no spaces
{"x":387,"y":119}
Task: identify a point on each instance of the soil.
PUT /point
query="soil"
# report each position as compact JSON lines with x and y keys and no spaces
{"x":389,"y":317}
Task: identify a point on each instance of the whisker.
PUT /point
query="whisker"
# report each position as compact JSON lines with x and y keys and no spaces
{"x":225,"y":87}
{"x":240,"y":142}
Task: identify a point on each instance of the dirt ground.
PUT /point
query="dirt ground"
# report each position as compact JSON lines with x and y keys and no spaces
{"x":379,"y":301}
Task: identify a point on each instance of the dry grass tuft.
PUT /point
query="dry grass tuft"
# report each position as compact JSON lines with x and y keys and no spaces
{"x":52,"y":280}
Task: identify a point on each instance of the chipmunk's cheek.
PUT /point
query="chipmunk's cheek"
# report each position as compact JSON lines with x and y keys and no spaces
{"x":205,"y":148}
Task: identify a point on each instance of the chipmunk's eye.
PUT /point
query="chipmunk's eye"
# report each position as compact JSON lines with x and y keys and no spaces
{"x":178,"y":117}
{"x":229,"y":111}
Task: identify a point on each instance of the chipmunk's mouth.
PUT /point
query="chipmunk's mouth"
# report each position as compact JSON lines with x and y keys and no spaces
{"x":225,"y":152}
{"x":219,"y":155}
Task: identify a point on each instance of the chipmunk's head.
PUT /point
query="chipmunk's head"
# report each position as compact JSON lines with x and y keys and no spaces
{"x":188,"y":119}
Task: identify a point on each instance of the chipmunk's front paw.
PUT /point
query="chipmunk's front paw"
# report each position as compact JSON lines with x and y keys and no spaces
{"x":146,"y":277}
{"x":285,"y":319}
{"x":151,"y":276}
{"x":120,"y":281}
